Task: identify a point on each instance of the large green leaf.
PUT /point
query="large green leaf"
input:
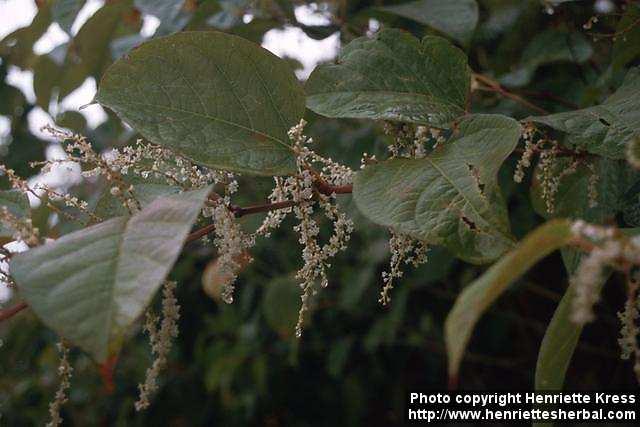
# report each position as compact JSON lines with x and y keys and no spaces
{"x":451,"y":197}
{"x":216,"y":98}
{"x":17,"y":204}
{"x":91,"y":285}
{"x":604,"y":129}
{"x":548,"y":47}
{"x":479,"y":295}
{"x":457,"y":19}
{"x":393,"y":76}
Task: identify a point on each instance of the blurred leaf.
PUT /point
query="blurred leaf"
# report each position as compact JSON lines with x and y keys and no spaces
{"x":451,"y":197}
{"x":215,"y":277}
{"x":281,"y":304}
{"x":64,"y":12}
{"x":626,"y":46}
{"x":172,"y":14}
{"x":91,"y":285}
{"x":393,"y":76}
{"x":214,"y":98}
{"x":17,"y":47}
{"x":457,"y":19}
{"x":72,"y":120}
{"x":17,"y":204}
{"x":604,"y":129}
{"x":614,"y":177}
{"x":546,"y":48}
{"x":13,"y":101}
{"x":476,"y":298}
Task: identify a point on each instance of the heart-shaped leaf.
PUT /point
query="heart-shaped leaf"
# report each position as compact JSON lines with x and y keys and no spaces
{"x":479,"y":295}
{"x":215,"y":98}
{"x":91,"y":285}
{"x":450,"y":197}
{"x":393,"y":76}
{"x":604,"y":129}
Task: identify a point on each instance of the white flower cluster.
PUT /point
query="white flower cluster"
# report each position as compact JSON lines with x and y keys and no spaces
{"x":300,"y":190}
{"x":530,"y":148}
{"x":161,"y":341}
{"x":281,"y":193}
{"x":65,"y":371}
{"x":630,"y":330}
{"x":606,"y":250}
{"x":410,"y":143}
{"x":151,"y":161}
{"x":404,"y":249}
{"x":230,"y":241}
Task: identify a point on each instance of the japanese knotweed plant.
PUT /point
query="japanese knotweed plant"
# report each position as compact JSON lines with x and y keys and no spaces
{"x":210,"y":107}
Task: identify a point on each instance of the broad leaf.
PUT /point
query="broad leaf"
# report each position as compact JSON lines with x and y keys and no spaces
{"x":548,"y":47}
{"x":450,"y":197}
{"x":17,"y":204}
{"x":91,"y":285}
{"x":393,"y":76}
{"x":479,"y":295}
{"x":604,"y":129}
{"x":109,"y":206}
{"x":457,"y":19}
{"x":218,"y":99}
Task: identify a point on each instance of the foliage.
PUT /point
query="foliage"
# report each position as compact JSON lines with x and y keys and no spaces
{"x":419,"y":137}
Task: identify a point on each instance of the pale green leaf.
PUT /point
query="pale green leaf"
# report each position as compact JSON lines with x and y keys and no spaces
{"x":450,"y":197}
{"x":91,"y":285}
{"x":457,"y":19}
{"x":604,"y":129}
{"x":479,"y":295}
{"x":393,"y":76}
{"x":215,"y":98}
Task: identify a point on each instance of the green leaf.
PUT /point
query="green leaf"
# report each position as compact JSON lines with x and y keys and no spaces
{"x":64,"y":12}
{"x":451,"y":197}
{"x":548,"y":47}
{"x":91,"y":285}
{"x":457,"y":19}
{"x":604,"y":129}
{"x":17,"y":204}
{"x":215,"y":98}
{"x":479,"y":295}
{"x":393,"y":76}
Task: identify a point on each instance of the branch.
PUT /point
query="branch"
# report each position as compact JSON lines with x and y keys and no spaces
{"x":494,"y":86}
{"x":12,"y":311}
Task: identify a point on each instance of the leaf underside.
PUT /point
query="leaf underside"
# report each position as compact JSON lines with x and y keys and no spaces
{"x":91,"y":285}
